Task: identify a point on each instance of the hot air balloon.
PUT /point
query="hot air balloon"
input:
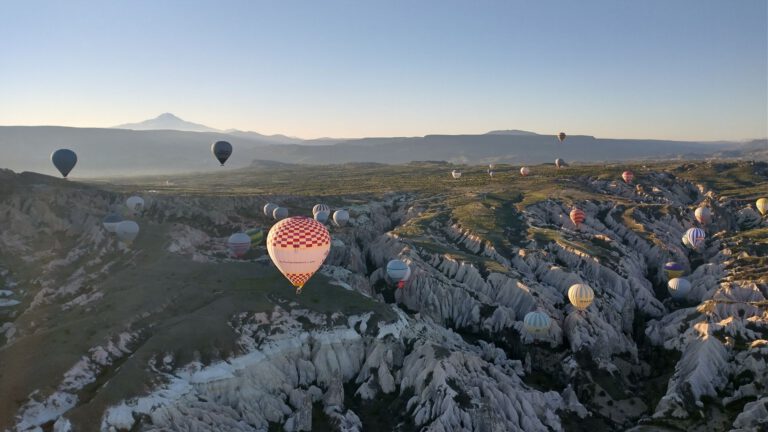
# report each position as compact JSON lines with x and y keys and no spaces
{"x":397,"y":270}
{"x":703,"y":215}
{"x":322,"y":216}
{"x":127,"y":231}
{"x":135,"y":204}
{"x":222,"y":150}
{"x":110,"y":222}
{"x":340,"y":217}
{"x":561,"y":136}
{"x":238,"y":244}
{"x":627,"y":176}
{"x":524,"y":171}
{"x":559,"y":163}
{"x":64,"y":160}
{"x":269,"y":208}
{"x":577,"y":216}
{"x":673,"y":269}
{"x":256,"y":235}
{"x":762,"y":206}
{"x":581,"y":296}
{"x":679,"y":288}
{"x":456,"y":174}
{"x":695,"y":237}
{"x":320,"y":207}
{"x":536,"y":323}
{"x":280,"y":213}
{"x":298,"y":246}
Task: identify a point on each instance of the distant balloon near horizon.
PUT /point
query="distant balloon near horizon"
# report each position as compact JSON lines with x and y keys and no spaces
{"x":524,"y":171}
{"x":222,"y":150}
{"x":561,"y":136}
{"x":627,"y":176}
{"x":64,"y":160}
{"x":456,"y":174}
{"x":559,"y":163}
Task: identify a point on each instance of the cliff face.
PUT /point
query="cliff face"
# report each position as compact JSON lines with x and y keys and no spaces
{"x":171,"y":333}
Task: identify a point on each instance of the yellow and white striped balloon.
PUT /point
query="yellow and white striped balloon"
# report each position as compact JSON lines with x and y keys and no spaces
{"x":581,"y":296}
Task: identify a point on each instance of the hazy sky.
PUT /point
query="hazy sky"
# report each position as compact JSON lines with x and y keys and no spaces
{"x":693,"y":69}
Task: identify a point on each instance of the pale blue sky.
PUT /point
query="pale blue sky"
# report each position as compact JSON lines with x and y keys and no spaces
{"x":693,"y":69}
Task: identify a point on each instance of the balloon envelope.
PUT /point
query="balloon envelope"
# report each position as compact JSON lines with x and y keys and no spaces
{"x":559,"y":163}
{"x":577,"y":216}
{"x":679,"y":288}
{"x":536,"y":323}
{"x":322,"y":216}
{"x":673,"y":269}
{"x":256,"y":235}
{"x":703,"y":215}
{"x":127,"y":231}
{"x":320,"y":207}
{"x":269,"y":208}
{"x":222,"y":150}
{"x":627,"y":176}
{"x":135,"y":204}
{"x":561,"y":136}
{"x":110,"y":222}
{"x":397,"y":270}
{"x":456,"y":174}
{"x":762,"y":206}
{"x":695,"y":237}
{"x":581,"y":296}
{"x":340,"y":217}
{"x":238,"y":244}
{"x":64,"y":160}
{"x":298,"y":246}
{"x":280,"y":213}
{"x":524,"y":171}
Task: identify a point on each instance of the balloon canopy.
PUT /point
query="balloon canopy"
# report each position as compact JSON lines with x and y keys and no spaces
{"x":64,"y":160}
{"x":222,"y":150}
{"x":298,"y":246}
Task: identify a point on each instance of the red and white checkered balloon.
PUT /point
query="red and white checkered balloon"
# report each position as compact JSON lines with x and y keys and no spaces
{"x":298,"y":246}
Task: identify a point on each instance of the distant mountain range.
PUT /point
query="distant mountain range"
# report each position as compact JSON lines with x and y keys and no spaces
{"x":168,"y":144}
{"x":166,"y":121}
